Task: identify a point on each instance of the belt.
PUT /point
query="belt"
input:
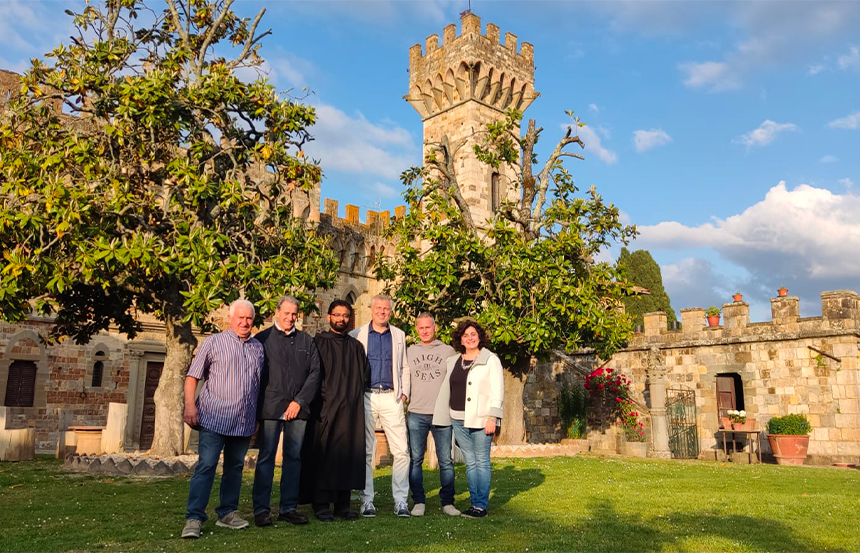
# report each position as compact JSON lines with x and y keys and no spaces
{"x":379,"y":390}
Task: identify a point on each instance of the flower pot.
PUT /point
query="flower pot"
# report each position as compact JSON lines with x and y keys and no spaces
{"x":713,"y":320}
{"x":726,"y":423}
{"x":748,"y":425}
{"x":634,"y":449}
{"x":782,"y":292}
{"x":788,"y":449}
{"x":738,"y":297}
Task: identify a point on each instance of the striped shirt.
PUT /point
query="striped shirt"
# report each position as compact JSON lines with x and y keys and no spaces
{"x":227,"y":403}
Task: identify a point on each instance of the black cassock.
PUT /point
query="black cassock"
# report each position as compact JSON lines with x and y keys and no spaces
{"x":333,"y":455}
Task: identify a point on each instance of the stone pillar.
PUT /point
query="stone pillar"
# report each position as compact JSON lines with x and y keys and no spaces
{"x":657,"y":389}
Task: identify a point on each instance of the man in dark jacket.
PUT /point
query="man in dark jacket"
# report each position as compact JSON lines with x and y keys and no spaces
{"x":333,"y":456}
{"x":289,"y":384}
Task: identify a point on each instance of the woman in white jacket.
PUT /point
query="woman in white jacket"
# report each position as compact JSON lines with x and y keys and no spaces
{"x":470,"y":400}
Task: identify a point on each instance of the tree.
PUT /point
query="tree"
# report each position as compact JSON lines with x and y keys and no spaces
{"x":641,"y":270}
{"x":530,"y":276}
{"x":163,"y":186}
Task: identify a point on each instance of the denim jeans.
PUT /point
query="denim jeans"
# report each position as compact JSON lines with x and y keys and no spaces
{"x":270,"y":434}
{"x":419,"y":425}
{"x":475,"y":445}
{"x":209,"y":450}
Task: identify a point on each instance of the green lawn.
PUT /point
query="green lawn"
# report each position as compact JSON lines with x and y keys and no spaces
{"x":585,"y":503}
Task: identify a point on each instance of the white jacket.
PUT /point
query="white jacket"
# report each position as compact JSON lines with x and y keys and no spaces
{"x":399,"y":361}
{"x":485,"y":392}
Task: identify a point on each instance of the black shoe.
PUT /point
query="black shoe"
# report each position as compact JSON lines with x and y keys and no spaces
{"x":325,"y":516}
{"x":293,"y":517}
{"x":263,"y":519}
{"x":347,"y":515}
{"x":473,"y":512}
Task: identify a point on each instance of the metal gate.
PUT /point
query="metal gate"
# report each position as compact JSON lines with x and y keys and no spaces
{"x":681,"y":414}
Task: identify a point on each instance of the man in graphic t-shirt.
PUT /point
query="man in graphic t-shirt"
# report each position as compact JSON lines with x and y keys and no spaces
{"x":427,"y":371}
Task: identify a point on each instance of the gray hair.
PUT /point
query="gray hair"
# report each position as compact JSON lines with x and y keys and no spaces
{"x":288,"y":299}
{"x":379,"y":297}
{"x":425,"y":315}
{"x":242,"y":303}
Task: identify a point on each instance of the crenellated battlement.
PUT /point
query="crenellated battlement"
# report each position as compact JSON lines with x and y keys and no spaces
{"x":373,"y":221}
{"x":470,"y":66}
{"x":840,"y":312}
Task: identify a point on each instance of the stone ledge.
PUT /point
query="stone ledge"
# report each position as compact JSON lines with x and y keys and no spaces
{"x":521,"y":451}
{"x":137,"y":465}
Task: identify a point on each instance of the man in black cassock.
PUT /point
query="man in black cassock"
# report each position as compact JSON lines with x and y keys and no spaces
{"x":333,"y":457}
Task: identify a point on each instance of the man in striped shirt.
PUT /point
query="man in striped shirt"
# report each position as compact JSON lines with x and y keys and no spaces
{"x":225,"y":413}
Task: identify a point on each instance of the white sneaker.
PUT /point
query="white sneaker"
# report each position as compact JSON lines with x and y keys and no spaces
{"x":418,"y":510}
{"x":451,"y":511}
{"x":401,"y":510}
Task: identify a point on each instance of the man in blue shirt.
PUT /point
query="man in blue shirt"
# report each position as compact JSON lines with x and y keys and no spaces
{"x":384,"y":401}
{"x":225,"y":413}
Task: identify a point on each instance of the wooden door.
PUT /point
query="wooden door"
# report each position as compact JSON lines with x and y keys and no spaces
{"x":725,"y":394}
{"x":147,"y":423}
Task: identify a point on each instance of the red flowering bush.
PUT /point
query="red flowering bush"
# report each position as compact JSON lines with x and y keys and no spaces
{"x":634,"y":430}
{"x":609,"y":394}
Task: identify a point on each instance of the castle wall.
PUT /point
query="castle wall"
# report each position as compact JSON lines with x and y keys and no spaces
{"x":788,"y":365}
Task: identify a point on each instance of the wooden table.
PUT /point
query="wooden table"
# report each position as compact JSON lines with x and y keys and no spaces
{"x":752,"y":437}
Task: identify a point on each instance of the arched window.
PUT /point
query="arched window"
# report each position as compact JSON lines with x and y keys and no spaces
{"x":21,"y":384}
{"x":495,"y":193}
{"x":98,"y":369}
{"x":350,"y":298}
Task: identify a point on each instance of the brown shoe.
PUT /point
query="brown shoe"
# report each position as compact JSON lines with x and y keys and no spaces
{"x":293,"y":517}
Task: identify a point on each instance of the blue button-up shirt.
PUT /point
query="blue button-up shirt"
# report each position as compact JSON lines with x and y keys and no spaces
{"x":227,"y":403}
{"x":379,"y":354}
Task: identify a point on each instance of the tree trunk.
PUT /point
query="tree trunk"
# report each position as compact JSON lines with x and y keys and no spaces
{"x":169,"y":396}
{"x":513,"y":422}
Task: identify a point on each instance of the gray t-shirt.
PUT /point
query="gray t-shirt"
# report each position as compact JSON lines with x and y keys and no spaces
{"x":428,"y":367}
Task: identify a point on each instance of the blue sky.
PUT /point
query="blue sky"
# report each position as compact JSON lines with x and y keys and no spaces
{"x":728,"y":132}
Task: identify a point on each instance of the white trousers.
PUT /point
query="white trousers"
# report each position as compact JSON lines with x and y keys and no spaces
{"x":389,"y":413}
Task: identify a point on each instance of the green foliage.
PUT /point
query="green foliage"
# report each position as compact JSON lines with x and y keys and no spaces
{"x":793,"y":425}
{"x":713,"y":311}
{"x":640,"y":269}
{"x":529,"y":276}
{"x":167,"y":184}
{"x":572,"y":410}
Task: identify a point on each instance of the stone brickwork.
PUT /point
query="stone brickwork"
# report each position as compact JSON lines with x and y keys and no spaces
{"x":787,"y":365}
{"x":461,"y":86}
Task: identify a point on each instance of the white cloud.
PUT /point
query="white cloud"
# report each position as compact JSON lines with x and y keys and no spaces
{"x":352,"y":143}
{"x":829,"y":159}
{"x":851,"y":60}
{"x":849,"y":122}
{"x":765,"y":133}
{"x":593,"y":144}
{"x":848,"y":183}
{"x":384,"y":191}
{"x":715,"y":76}
{"x":645,"y":140}
{"x":807,"y":236}
{"x":594,"y":108}
{"x":815,"y":69}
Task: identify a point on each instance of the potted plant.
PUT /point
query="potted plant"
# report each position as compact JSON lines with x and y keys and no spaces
{"x":713,"y":315}
{"x":738,"y":297}
{"x":634,"y":444}
{"x":788,"y":437}
{"x":739,"y":420}
{"x":782,"y":291}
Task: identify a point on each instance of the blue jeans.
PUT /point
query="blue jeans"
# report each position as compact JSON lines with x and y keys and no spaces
{"x":419,"y":425}
{"x":209,"y":450}
{"x":270,"y":434}
{"x":475,"y":445}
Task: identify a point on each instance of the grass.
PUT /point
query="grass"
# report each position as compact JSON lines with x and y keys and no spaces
{"x":585,"y":503}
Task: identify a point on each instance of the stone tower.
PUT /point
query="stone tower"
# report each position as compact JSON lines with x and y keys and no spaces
{"x":459,"y":87}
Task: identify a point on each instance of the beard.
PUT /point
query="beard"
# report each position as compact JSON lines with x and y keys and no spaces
{"x":339,"y":326}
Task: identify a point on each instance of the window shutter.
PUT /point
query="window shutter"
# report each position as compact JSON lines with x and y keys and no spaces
{"x":21,"y":384}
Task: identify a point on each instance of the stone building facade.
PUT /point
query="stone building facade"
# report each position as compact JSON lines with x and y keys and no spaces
{"x":790,"y":364}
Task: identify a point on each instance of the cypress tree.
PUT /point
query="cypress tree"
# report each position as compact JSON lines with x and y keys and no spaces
{"x":641,"y":270}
